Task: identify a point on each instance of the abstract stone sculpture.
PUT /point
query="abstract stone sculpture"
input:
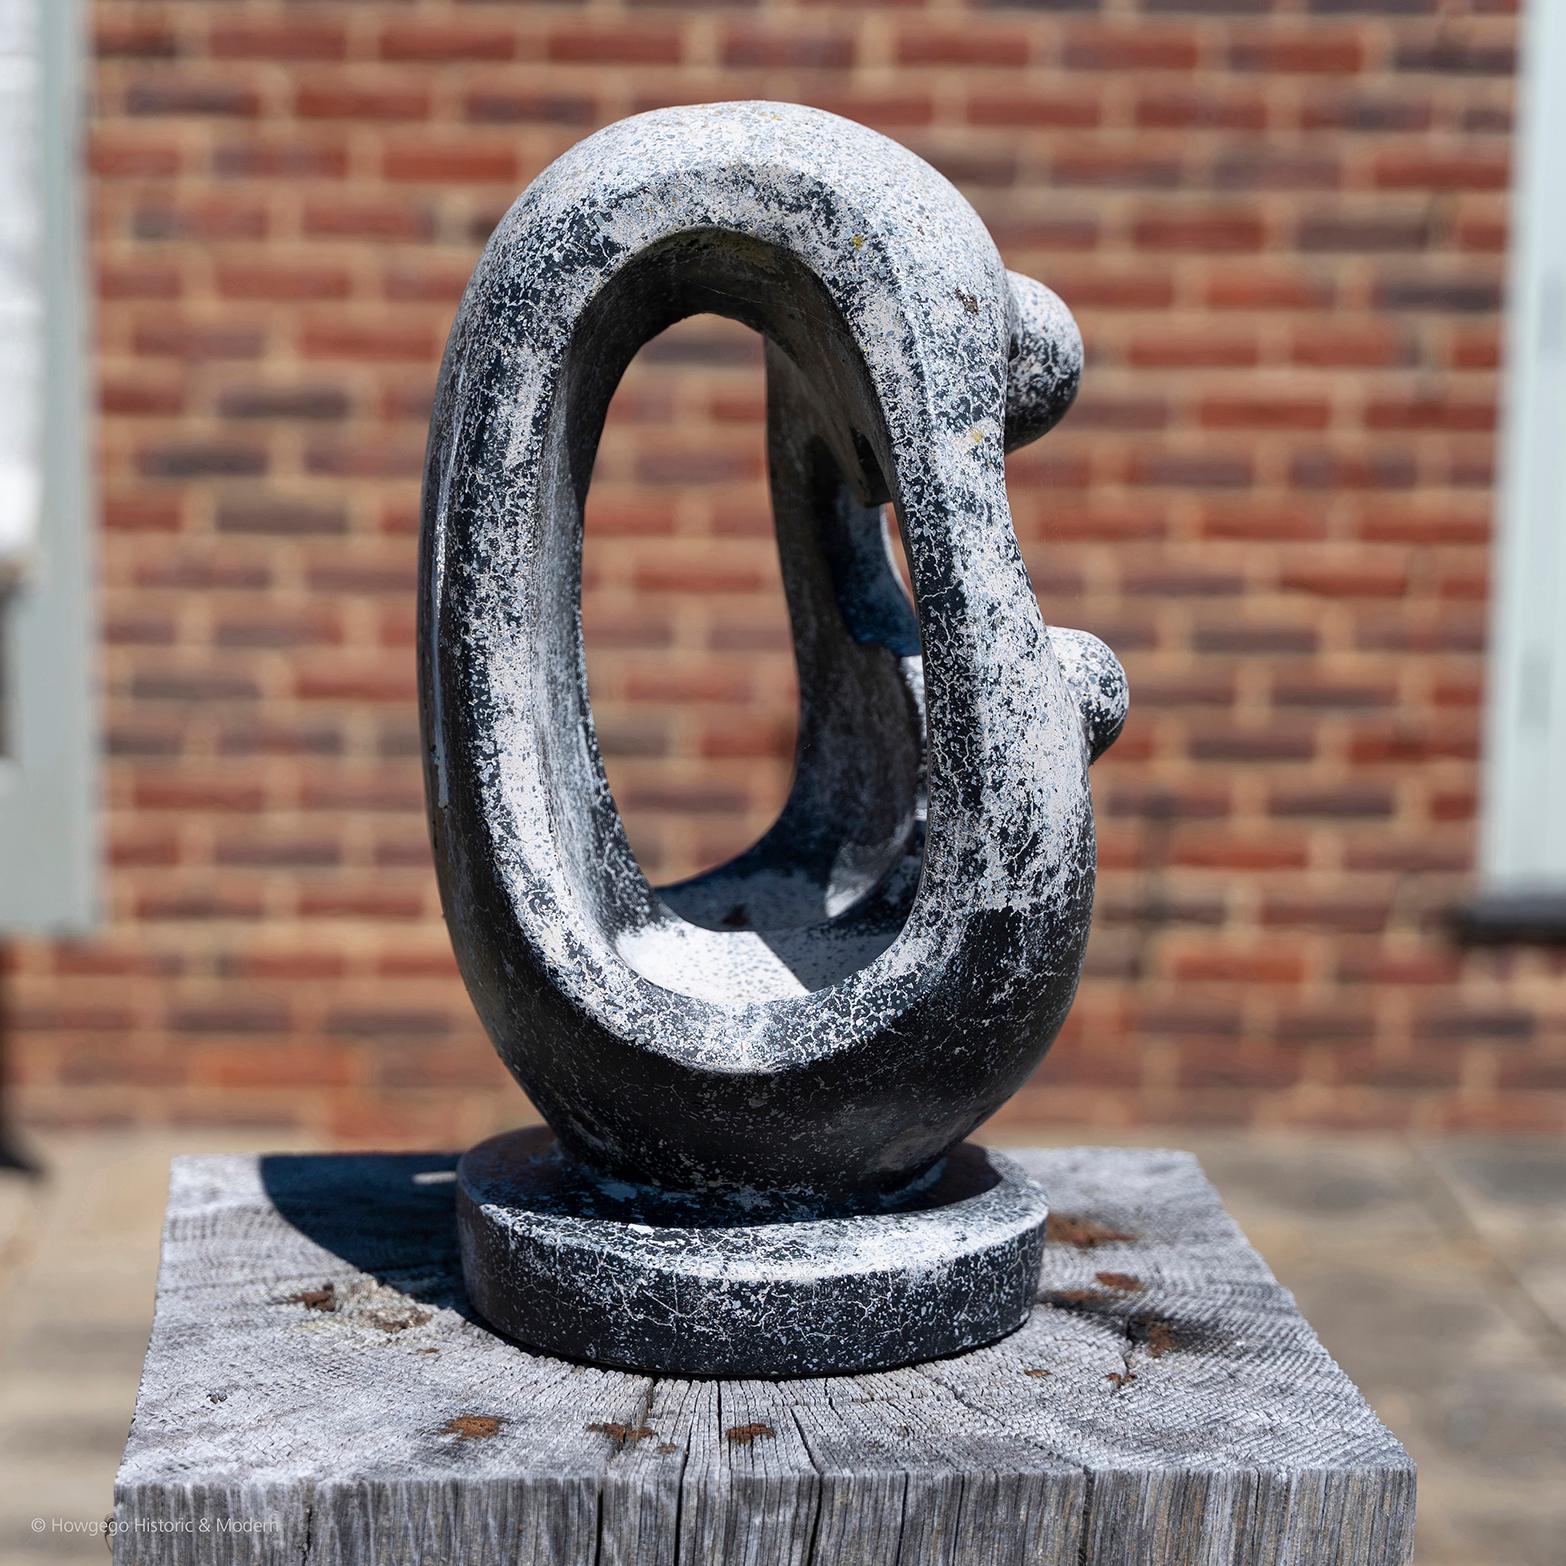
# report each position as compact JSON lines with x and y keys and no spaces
{"x":758,"y":1077}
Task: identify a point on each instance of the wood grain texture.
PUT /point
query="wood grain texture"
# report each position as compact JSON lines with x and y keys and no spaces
{"x":317,"y":1390}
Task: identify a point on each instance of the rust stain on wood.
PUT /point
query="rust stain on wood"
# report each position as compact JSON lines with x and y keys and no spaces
{"x":323,"y":1298}
{"x":1125,"y":1282}
{"x":1084,"y":1233}
{"x":1156,"y":1336}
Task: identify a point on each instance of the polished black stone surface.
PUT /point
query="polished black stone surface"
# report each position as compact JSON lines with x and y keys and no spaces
{"x":575,"y":1265}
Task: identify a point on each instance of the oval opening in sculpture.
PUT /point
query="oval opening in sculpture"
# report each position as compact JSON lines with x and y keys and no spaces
{"x":690,"y":655}
{"x":828,"y":886}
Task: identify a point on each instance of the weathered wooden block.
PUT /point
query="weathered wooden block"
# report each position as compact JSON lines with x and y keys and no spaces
{"x":317,"y":1389}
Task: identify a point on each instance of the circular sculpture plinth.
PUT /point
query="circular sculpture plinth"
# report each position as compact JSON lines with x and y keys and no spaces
{"x":624,"y":1275}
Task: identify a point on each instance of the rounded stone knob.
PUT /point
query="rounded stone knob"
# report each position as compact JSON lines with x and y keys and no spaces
{"x":1044,"y":365}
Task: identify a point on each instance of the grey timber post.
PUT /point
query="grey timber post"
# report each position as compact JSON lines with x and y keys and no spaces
{"x":319,"y":1389}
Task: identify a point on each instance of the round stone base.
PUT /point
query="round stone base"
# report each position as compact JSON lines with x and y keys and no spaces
{"x":630,"y":1276}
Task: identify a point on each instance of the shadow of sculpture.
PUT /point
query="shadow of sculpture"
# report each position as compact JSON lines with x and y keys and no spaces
{"x":389,"y":1215}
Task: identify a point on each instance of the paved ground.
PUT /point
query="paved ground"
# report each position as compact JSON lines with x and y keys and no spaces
{"x":1435,"y":1272}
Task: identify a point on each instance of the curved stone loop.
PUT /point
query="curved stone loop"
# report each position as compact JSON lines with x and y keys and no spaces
{"x":828,"y":1013}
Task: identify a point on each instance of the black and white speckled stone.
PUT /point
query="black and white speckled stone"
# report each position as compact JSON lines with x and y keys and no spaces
{"x":817,"y":1022}
{"x":632,"y":1276}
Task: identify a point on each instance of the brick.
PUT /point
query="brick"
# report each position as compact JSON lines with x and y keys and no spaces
{"x":187,"y":792}
{"x":373,"y":458}
{"x":276,"y":629}
{"x":1503,"y":1023}
{"x":382,"y":1022}
{"x":1195,"y":470}
{"x":1202,"y":850}
{"x":129,"y":36}
{"x":334,"y":98}
{"x":295,"y":39}
{"x":1342,"y":912}
{"x":1207,"y":7}
{"x":1229,"y":637}
{"x":250,"y":280}
{"x":1365,"y":112}
{"x":1352,"y":579}
{"x":377,"y":904}
{"x":294,"y":738}
{"x":296,"y":158}
{"x":1430,"y":413}
{"x":255,"y":1016}
{"x":244,"y":1067}
{"x":1363,"y":345}
{"x":1180,"y":581}
{"x":183,"y":99}
{"x":1114,"y":168}
{"x":1259,"y":289}
{"x":163,"y":217}
{"x":1274,"y":169}
{"x":141,"y":513}
{"x":1340,"y":231}
{"x":444,"y":41}
{"x":1372,"y":7}
{"x":1420,"y":170}
{"x":967,"y":46}
{"x":1451,"y":54}
{"x":1131,"y":49}
{"x":1169,"y":110}
{"x":1239,"y":745}
{"x":1115,"y":289}
{"x":327,"y":338}
{"x":1101,"y":411}
{"x":1316,"y":52}
{"x":1052,"y":110}
{"x":630,"y":44}
{"x":1265,"y":413}
{"x":1186,"y":230}
{"x":1409,"y":746}
{"x":202,"y":459}
{"x":140,"y":398}
{"x":404,"y":219}
{"x":279,"y":516}
{"x":1347,"y":802}
{"x":1273,"y":521}
{"x":1460,"y":294}
{"x":148,"y":280}
{"x":1379,"y":469}
{"x":283,"y":402}
{"x":459,"y":161}
{"x":198,"y":340}
{"x":355,"y":685}
{"x":506,"y":106}
{"x":126,"y":157}
{"x":1227,"y":965}
{"x":745,"y":45}
{"x":1166,"y":348}
{"x":193,"y":571}
{"x":1310,"y":689}
{"x":143,"y":741}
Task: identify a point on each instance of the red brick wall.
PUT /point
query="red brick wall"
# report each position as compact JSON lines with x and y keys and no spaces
{"x":1281,"y":226}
